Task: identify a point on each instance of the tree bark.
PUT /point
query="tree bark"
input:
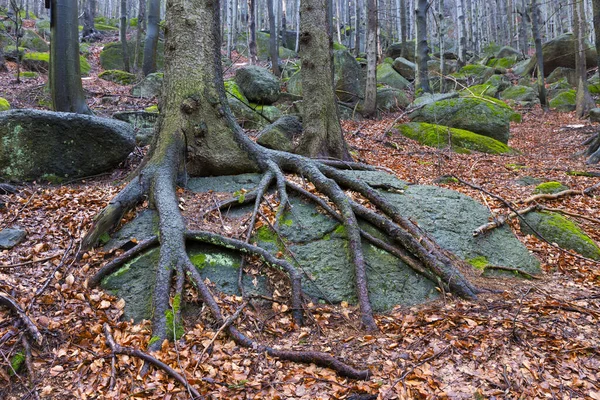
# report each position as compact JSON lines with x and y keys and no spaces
{"x":123,"y":36}
{"x":65,"y":73}
{"x":596,"y":12}
{"x":370,"y":104}
{"x":320,"y":117}
{"x":584,"y":100}
{"x":357,"y":17}
{"x":273,"y":42}
{"x":88,"y":18}
{"x":535,"y":19}
{"x":151,"y":42}
{"x":422,"y":48}
{"x":252,"y":31}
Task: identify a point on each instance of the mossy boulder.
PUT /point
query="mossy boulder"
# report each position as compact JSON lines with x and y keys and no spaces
{"x":105,"y":28}
{"x":149,"y":87}
{"x":390,"y":99}
{"x":253,"y":116}
{"x":283,"y":134}
{"x":560,"y":230}
{"x":117,"y":76}
{"x":485,"y":116}
{"x":505,"y":62}
{"x":499,"y":81}
{"x":42,"y":27}
{"x":4,"y":104}
{"x":474,"y":74}
{"x":142,"y":122}
{"x":569,"y":74}
{"x":484,"y":89}
{"x":594,"y":84}
{"x":508,"y":51}
{"x":257,"y":84}
{"x":461,"y":141}
{"x":521,"y":95}
{"x":40,"y":62}
{"x":564,"y":101}
{"x":595,"y":115}
{"x":64,"y":145}
{"x":558,"y":87}
{"x":233,"y":90}
{"x":559,"y":52}
{"x":407,"y":50}
{"x":33,"y":41}
{"x":549,"y":188}
{"x":262,"y":47}
{"x":12,"y":54}
{"x":347,"y":77}
{"x":405,"y":68}
{"x":387,"y":75}
{"x":111,"y":56}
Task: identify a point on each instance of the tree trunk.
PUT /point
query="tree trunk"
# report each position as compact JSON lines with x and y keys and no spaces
{"x":140,"y":29}
{"x":523,"y":42}
{"x":229,"y":5}
{"x":404,"y":30}
{"x":422,"y":48}
{"x":123,"y":36}
{"x":535,"y":19}
{"x":252,"y":31}
{"x":462,"y":35}
{"x":320,"y":118}
{"x":65,"y":73}
{"x":89,"y":13}
{"x":596,"y":12}
{"x":273,"y":45}
{"x":357,"y":17}
{"x":370,"y":104}
{"x":584,"y":100}
{"x":151,"y":42}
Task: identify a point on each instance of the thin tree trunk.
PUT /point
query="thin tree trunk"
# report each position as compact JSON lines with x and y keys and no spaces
{"x":462,"y":29}
{"x":539,"y":53}
{"x":252,"y":31}
{"x":441,"y":34}
{"x":140,"y":29}
{"x":229,"y":5}
{"x":89,"y":13}
{"x":297,"y":47}
{"x":151,"y":43}
{"x":123,"y":36}
{"x":273,"y":48}
{"x":403,"y":30}
{"x":596,"y":12}
{"x":357,"y":17}
{"x":65,"y":72}
{"x":370,"y":104}
{"x":422,"y":48}
{"x":584,"y":100}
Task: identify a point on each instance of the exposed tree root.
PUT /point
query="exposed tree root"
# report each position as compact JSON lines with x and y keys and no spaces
{"x":593,"y":150}
{"x":502,"y":220}
{"x":553,"y":196}
{"x":118,"y":349}
{"x":10,"y":303}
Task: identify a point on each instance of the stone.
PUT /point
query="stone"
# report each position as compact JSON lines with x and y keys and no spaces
{"x":117,"y":76}
{"x":508,"y":51}
{"x":595,"y":115}
{"x":40,"y":62}
{"x":429,"y":98}
{"x":262,"y":47}
{"x":549,"y":188}
{"x":390,"y":99}
{"x":405,"y":68}
{"x":253,"y":116}
{"x":558,"y":229}
{"x":33,"y":41}
{"x":111,"y":56}
{"x":10,"y":237}
{"x":563,"y":73}
{"x":474,"y":74}
{"x":142,"y":122}
{"x":522,"y":95}
{"x":395,"y":50}
{"x":461,"y":141}
{"x":484,"y":116}
{"x":258,"y":84}
{"x":564,"y":101}
{"x":387,"y":75}
{"x":348,"y":77}
{"x":283,"y":134}
{"x":52,"y":145}
{"x":150,"y":87}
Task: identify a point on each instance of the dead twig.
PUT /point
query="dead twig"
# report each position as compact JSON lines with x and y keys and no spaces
{"x":8,"y":301}
{"x":22,"y":264}
{"x":118,"y":349}
{"x":553,"y":196}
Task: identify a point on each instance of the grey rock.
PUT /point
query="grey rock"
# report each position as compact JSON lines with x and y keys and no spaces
{"x":150,"y":87}
{"x":508,"y":51}
{"x":258,"y":84}
{"x":38,"y":144}
{"x":387,"y":75}
{"x":563,"y":73}
{"x":142,"y":122}
{"x":428,"y":98}
{"x":10,"y":237}
{"x":522,"y":95}
{"x":501,"y":82}
{"x":282,"y":135}
{"x":395,"y":50}
{"x":251,"y":116}
{"x":405,"y":68}
{"x":347,"y":77}
{"x":390,"y":99}
{"x":595,"y":115}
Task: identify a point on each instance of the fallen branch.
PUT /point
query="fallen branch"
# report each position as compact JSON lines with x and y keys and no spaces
{"x":8,"y":301}
{"x":503,"y":268}
{"x":118,"y":349}
{"x":22,"y":264}
{"x":502,"y":220}
{"x":564,"y":193}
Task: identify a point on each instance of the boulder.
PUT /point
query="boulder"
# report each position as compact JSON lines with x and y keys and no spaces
{"x":390,"y":99}
{"x":569,"y":74}
{"x":405,"y":68}
{"x":564,"y":101}
{"x":262,"y":47}
{"x":258,"y":84}
{"x":347,"y":77}
{"x":282,"y":134}
{"x":461,"y":141}
{"x":560,"y":52}
{"x":521,"y":95}
{"x":387,"y":75}
{"x":117,"y":76}
{"x":33,"y":41}
{"x":503,"y":63}
{"x":485,"y":89}
{"x":486,"y":116}
{"x":320,"y":246}
{"x":40,"y":62}
{"x":395,"y":50}
{"x":42,"y":27}
{"x":508,"y":51}
{"x":142,"y":122}
{"x":558,"y":87}
{"x":429,"y":98}
{"x":51,"y":145}
{"x":595,"y":115}
{"x":549,"y":188}
{"x":253,"y":116}
{"x":474,"y":74}
{"x":111,"y":56}
{"x":150,"y":87}
{"x":10,"y":237}
{"x":560,"y":230}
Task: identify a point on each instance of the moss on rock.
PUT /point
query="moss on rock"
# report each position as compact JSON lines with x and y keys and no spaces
{"x":386,"y":74}
{"x":4,"y":104}
{"x":462,"y":141}
{"x":117,"y":76}
{"x":41,"y":62}
{"x":564,"y":101}
{"x":523,"y":95}
{"x":549,"y":188}
{"x":233,"y":90}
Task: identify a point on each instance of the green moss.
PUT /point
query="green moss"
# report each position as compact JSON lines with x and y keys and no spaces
{"x":388,"y":60}
{"x":515,"y":167}
{"x":28,"y":75}
{"x":103,"y":27}
{"x":473,"y":69}
{"x":287,"y":222}
{"x":580,"y":173}
{"x":133,"y":22}
{"x":118,"y":76}
{"x":52,"y":178}
{"x":233,"y":90}
{"x":104,"y":238}
{"x":505,"y":63}
{"x":564,"y":101}
{"x":265,"y":234}
{"x":16,"y":363}
{"x":37,"y":56}
{"x":199,"y":260}
{"x":4,"y":104}
{"x":13,"y":51}
{"x":153,"y":340}
{"x":152,"y":109}
{"x":174,"y":328}
{"x":462,"y":140}
{"x":480,"y":90}
{"x":479,"y":262}
{"x":550,"y":187}
{"x":44,"y":58}
{"x":339,"y":46}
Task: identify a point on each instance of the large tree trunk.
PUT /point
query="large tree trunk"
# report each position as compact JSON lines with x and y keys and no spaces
{"x":273,"y":42}
{"x":151,"y":43}
{"x":370,"y":105}
{"x":462,"y":35}
{"x":422,"y":48}
{"x":88,"y":18}
{"x":320,"y":118}
{"x":535,"y":19}
{"x":65,"y":73}
{"x":357,"y":17}
{"x":141,"y":26}
{"x":252,"y":31}
{"x":584,"y":100}
{"x":123,"y":35}
{"x":596,"y":12}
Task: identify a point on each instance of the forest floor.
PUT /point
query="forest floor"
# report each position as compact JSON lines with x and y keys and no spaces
{"x":537,"y":338}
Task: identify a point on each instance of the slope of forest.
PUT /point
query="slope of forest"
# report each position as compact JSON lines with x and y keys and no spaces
{"x":525,"y":337}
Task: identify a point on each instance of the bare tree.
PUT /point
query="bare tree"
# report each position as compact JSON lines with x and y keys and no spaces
{"x":273,"y":42}
{"x":422,"y":75}
{"x":252,"y":31}
{"x":123,"y":35}
{"x":151,"y":43}
{"x":370,"y":104}
{"x":535,"y":19}
{"x":584,"y":100}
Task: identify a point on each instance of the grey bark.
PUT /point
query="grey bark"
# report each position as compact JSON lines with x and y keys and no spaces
{"x":535,"y":19}
{"x":123,"y":36}
{"x":596,"y":18}
{"x":370,"y":104}
{"x":584,"y":100}
{"x":65,"y":73}
{"x":273,"y":42}
{"x":252,"y":31}
{"x":357,"y":17}
{"x":151,"y":42}
{"x":422,"y":49}
{"x":88,"y":18}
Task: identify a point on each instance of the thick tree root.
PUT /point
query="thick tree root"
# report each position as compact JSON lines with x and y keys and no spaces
{"x":10,"y":303}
